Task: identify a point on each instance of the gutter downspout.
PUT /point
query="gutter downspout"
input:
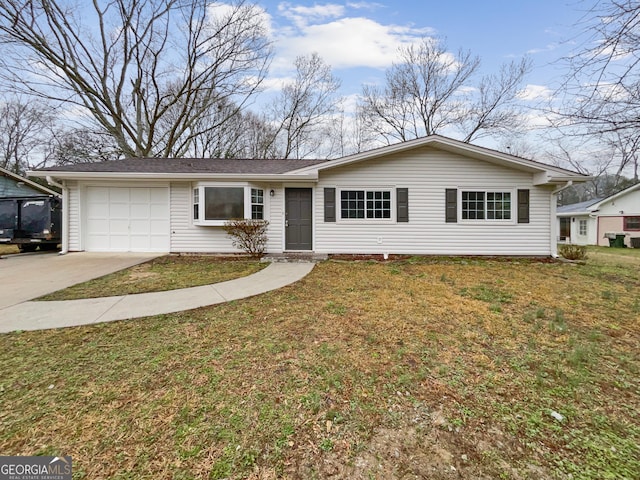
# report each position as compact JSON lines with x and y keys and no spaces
{"x":554,"y":218}
{"x":65,"y":213}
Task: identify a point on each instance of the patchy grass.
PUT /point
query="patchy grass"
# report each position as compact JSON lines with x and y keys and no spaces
{"x":361,"y":370}
{"x":161,"y":274}
{"x":615,"y":256}
{"x":8,"y":249}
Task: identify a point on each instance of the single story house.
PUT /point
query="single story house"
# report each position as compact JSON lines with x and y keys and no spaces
{"x":593,"y":221}
{"x":13,"y":185}
{"x":432,"y":195}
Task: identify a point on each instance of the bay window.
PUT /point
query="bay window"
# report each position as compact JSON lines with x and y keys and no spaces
{"x":215,"y":204}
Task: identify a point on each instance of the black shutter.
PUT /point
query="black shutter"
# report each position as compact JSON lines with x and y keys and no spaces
{"x":451,"y":210}
{"x":329,"y":204}
{"x":402,"y":204}
{"x":523,"y":206}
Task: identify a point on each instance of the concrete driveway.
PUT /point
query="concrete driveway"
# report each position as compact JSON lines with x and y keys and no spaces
{"x":25,"y":277}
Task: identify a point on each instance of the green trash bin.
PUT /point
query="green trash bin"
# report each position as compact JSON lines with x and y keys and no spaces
{"x":618,"y":242}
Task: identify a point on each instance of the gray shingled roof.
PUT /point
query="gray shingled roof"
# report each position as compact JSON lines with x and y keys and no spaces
{"x":190,"y":165}
{"x":578,"y":207}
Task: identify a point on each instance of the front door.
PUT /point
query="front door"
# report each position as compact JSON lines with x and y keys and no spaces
{"x":298,"y":224}
{"x":565,"y":228}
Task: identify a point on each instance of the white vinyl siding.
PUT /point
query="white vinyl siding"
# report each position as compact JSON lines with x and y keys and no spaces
{"x":427,"y":173}
{"x":74,"y":217}
{"x":186,"y":236}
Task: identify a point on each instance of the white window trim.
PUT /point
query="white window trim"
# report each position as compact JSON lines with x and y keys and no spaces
{"x":582,"y":222}
{"x":514,"y":206}
{"x":366,"y":221}
{"x":200,"y":186}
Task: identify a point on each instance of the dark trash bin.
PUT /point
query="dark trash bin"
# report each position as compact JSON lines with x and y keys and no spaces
{"x":635,"y":242}
{"x":617,"y":242}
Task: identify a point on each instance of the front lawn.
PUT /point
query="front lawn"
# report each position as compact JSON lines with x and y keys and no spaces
{"x":160,"y":274}
{"x":422,"y":368}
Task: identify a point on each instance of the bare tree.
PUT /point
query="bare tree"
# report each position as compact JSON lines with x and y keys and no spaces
{"x":603,"y":79}
{"x":601,"y":93}
{"x":305,"y":108}
{"x":146,"y":71}
{"x":72,"y":146}
{"x":625,"y":146}
{"x":495,"y":110}
{"x":25,"y":130}
{"x":243,"y":134}
{"x":430,"y":90}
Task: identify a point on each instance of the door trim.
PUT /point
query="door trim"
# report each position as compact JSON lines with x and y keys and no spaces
{"x":311,"y":213}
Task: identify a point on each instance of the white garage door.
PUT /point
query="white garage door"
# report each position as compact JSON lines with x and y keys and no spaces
{"x":127,"y":219}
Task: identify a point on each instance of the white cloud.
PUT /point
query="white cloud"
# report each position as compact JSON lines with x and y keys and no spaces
{"x":535,"y":92}
{"x":548,"y":48}
{"x":275,"y":84}
{"x":302,"y":16}
{"x":364,"y":5}
{"x":347,"y":42}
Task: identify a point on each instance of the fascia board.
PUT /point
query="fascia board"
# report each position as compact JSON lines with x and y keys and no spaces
{"x":311,"y":176}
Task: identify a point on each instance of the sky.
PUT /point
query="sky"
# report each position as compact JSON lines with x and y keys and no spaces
{"x":360,"y":39}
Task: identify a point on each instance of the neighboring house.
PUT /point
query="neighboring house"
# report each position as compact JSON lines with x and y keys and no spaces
{"x":593,"y":221}
{"x":432,"y":195}
{"x":13,"y":185}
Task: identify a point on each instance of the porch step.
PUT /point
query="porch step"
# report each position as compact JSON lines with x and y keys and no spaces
{"x":294,"y":257}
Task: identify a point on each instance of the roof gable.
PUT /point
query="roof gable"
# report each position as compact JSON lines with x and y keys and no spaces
{"x":622,"y":193}
{"x":461,"y":148}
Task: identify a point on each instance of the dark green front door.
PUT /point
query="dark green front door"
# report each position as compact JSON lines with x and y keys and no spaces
{"x":298,"y":224}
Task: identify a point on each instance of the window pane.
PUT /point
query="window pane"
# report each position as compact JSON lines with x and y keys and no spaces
{"x":257,"y":212}
{"x":223,"y":203}
{"x":257,"y":195}
{"x":473,"y":205}
{"x":196,"y":203}
{"x":582,"y":229}
{"x":379,"y":204}
{"x":257,"y":204}
{"x":632,"y":223}
{"x":352,"y":204}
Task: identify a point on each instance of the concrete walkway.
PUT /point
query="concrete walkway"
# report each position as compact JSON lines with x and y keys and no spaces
{"x":71,"y":313}
{"x":32,"y":275}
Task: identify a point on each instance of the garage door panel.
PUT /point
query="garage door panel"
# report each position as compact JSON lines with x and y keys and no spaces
{"x":97,"y":226}
{"x":97,"y":210}
{"x":158,"y":227}
{"x":99,"y":242}
{"x":119,"y":210}
{"x":159,"y":195}
{"x":118,"y":227}
{"x":158,"y":211}
{"x":99,"y":195}
{"x":140,"y":227}
{"x":127,"y":219}
{"x":140,"y":211}
{"x":119,"y":243}
{"x":140,"y":195}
